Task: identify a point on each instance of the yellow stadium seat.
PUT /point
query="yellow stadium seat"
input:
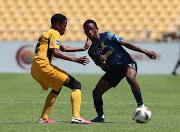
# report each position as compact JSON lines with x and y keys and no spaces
{"x":119,"y":16}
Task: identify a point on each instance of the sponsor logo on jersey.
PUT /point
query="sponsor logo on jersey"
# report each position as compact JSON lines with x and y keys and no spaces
{"x":57,"y":42}
{"x":103,"y":46}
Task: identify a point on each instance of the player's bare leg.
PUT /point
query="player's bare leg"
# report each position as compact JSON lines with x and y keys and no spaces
{"x":100,"y":89}
{"x":130,"y":76}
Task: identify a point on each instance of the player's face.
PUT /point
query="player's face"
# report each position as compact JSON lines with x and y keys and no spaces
{"x":91,"y":31}
{"x":62,"y":27}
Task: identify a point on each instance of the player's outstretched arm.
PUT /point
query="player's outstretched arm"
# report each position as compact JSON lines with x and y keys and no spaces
{"x":150,"y":54}
{"x":82,"y":60}
{"x":66,"y":48}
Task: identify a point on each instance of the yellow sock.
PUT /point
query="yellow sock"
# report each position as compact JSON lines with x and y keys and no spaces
{"x":76,"y":102}
{"x":48,"y":105}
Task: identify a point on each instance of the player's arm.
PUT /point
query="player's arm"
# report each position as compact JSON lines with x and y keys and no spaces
{"x":82,"y":60}
{"x":150,"y":54}
{"x":103,"y":64}
{"x":66,"y":48}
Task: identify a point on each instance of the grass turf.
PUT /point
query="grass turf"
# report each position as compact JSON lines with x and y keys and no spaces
{"x":22,"y":100}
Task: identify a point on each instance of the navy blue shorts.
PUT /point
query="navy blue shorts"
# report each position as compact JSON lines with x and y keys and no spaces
{"x":114,"y":76}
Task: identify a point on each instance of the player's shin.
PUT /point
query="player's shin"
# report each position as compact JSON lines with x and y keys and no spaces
{"x":76,"y":102}
{"x":138,"y":97}
{"x":98,"y":104}
{"x":48,"y":105}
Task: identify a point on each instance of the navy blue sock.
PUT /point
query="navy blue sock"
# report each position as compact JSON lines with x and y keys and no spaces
{"x":138,"y":97}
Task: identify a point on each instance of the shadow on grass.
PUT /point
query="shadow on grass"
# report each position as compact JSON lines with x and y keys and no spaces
{"x":68,"y":122}
{"x":10,"y":123}
{"x":58,"y":122}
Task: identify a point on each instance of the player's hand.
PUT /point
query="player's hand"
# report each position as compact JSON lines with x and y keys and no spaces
{"x":102,"y":59}
{"x":151,"y":54}
{"x":82,"y":60}
{"x":87,"y":44}
{"x":103,"y":65}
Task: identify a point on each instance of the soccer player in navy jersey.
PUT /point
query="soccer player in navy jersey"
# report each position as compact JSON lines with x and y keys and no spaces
{"x":107,"y":52}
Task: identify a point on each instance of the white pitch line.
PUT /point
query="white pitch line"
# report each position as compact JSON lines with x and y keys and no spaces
{"x":29,"y":102}
{"x":40,"y":102}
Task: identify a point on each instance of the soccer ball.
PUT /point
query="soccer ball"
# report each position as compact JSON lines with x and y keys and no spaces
{"x":142,"y":115}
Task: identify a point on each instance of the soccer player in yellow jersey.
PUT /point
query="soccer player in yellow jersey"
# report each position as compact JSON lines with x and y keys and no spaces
{"x":47,"y":75}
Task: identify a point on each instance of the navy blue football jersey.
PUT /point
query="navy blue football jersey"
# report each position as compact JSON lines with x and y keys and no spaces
{"x":109,"y":46}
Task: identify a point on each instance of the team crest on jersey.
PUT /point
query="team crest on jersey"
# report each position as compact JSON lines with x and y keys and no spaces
{"x":99,"y":51}
{"x":57,"y":41}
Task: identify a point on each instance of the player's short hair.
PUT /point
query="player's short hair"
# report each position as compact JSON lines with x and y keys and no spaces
{"x":58,"y":18}
{"x":89,"y":21}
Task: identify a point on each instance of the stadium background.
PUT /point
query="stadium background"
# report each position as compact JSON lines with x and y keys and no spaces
{"x":152,"y":24}
{"x":155,"y":23}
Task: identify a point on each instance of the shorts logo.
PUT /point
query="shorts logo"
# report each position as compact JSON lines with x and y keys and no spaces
{"x":57,"y":41}
{"x":132,"y":65}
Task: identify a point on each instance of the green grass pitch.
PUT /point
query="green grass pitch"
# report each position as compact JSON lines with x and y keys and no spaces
{"x":22,"y":100}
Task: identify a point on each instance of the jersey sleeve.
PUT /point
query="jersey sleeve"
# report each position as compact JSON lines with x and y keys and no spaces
{"x":113,"y":37}
{"x":55,"y":40}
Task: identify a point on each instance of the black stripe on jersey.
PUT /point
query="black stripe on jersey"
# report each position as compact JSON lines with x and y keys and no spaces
{"x":40,"y":39}
{"x":49,"y":52}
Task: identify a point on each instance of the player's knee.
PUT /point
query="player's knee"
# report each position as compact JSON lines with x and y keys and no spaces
{"x":96,"y":94}
{"x":74,"y":84}
{"x":53,"y":91}
{"x":77,"y":85}
{"x":131,"y":80}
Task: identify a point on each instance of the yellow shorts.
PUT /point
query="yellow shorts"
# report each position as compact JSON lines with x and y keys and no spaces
{"x":50,"y":76}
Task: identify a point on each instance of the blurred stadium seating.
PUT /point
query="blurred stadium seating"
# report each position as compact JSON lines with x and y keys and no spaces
{"x":135,"y":20}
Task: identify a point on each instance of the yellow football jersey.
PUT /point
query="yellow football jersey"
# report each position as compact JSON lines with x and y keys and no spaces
{"x":46,"y":74}
{"x":43,"y":53}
